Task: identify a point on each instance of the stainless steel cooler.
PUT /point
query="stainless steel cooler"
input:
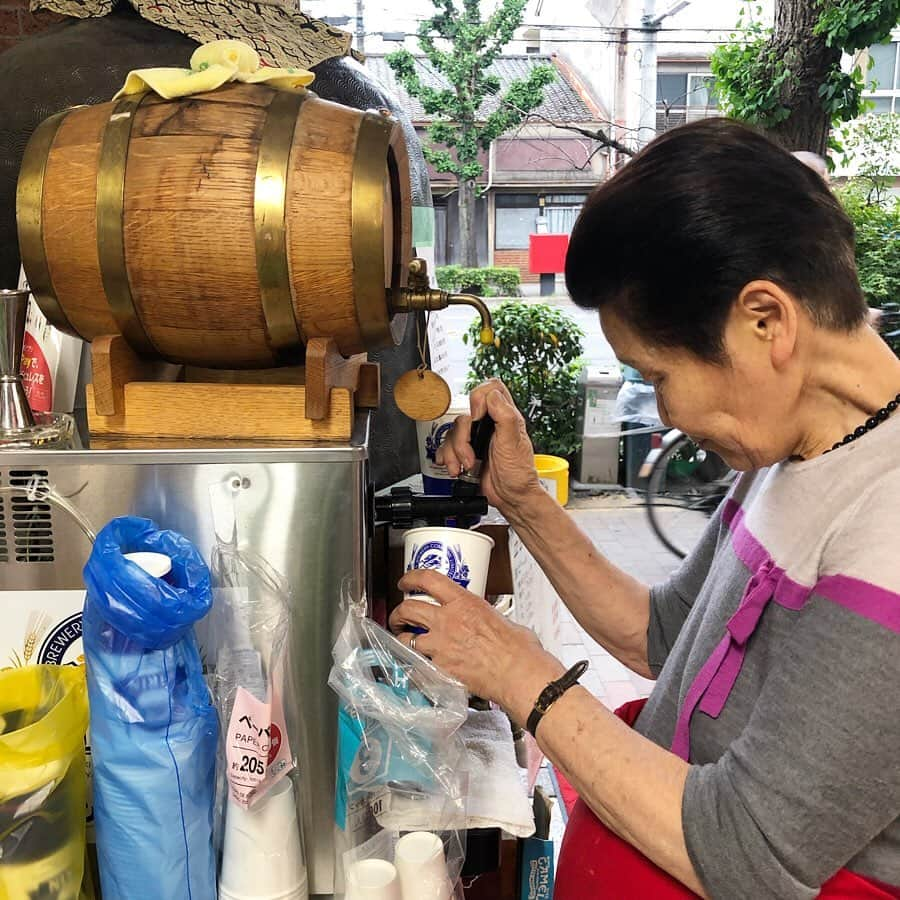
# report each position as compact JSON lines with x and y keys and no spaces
{"x":304,"y":509}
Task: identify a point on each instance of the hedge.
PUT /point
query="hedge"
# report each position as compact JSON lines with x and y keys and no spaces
{"x":503,"y":282}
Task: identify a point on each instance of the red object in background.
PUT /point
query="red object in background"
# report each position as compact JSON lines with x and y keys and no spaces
{"x":36,"y":376}
{"x":547,"y":253}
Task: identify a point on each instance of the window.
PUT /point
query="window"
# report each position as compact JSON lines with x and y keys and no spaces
{"x":683,"y":95}
{"x":561,"y":211}
{"x":515,"y":219}
{"x":701,"y":92}
{"x":883,"y":79}
{"x":686,"y":89}
{"x":671,"y":89}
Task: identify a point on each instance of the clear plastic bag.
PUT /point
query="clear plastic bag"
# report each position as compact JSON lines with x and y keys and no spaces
{"x":43,"y":792}
{"x":153,"y":727}
{"x":636,"y":403}
{"x":247,"y":635}
{"x":401,"y":767}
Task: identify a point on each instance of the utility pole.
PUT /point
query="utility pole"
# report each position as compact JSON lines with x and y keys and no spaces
{"x":360,"y":26}
{"x":649,"y":30}
{"x":650,"y":25}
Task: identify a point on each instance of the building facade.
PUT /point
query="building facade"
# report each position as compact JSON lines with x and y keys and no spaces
{"x":535,"y":178}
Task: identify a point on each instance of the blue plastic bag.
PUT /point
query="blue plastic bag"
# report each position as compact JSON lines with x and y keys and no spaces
{"x":153,"y":727}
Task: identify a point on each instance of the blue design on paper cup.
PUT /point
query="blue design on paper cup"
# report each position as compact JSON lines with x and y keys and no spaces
{"x":435,"y":439}
{"x":442,"y":558}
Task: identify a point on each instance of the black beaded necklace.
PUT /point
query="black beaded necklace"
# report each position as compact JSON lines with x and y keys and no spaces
{"x":872,"y":422}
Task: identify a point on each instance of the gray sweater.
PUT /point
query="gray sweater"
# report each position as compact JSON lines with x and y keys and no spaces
{"x":795,"y":761}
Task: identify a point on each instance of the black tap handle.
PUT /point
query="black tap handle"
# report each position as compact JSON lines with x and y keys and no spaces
{"x":480,"y":439}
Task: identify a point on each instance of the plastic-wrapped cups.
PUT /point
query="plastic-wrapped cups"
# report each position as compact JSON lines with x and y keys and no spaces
{"x":262,"y":858}
{"x":422,"y":868}
{"x":373,"y":879}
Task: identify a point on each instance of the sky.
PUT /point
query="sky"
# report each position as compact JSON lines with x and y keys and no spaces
{"x":403,"y":14}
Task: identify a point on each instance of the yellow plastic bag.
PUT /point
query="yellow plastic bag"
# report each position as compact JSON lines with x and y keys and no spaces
{"x":43,"y":719}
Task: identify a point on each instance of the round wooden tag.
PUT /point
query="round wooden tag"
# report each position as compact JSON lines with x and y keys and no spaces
{"x":422,"y":395}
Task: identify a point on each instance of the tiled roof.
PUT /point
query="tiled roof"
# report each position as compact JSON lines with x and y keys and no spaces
{"x":562,"y":102}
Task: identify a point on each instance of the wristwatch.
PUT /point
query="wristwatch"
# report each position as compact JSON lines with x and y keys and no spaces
{"x":552,"y":693}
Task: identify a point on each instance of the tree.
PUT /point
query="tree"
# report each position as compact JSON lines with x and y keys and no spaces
{"x":460,"y":46}
{"x":877,"y":243}
{"x":537,"y":354}
{"x":872,"y":149}
{"x":788,"y":78}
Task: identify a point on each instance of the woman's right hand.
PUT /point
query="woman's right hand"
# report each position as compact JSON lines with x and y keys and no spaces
{"x":508,"y":479}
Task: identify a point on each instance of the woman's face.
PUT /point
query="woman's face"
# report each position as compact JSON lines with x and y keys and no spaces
{"x":740,"y":409}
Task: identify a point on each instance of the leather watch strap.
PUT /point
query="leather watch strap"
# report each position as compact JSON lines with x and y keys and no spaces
{"x":552,"y":693}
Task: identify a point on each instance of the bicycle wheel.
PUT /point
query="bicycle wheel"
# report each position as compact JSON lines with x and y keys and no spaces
{"x":686,"y":486}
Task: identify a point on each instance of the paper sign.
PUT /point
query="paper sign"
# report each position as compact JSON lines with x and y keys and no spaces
{"x":537,"y":605}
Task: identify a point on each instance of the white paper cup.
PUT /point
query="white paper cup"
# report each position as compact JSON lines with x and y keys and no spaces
{"x":436,"y":479}
{"x":262,"y":858}
{"x":372,"y":879}
{"x":463,"y":556}
{"x":156,"y":564}
{"x":422,"y":868}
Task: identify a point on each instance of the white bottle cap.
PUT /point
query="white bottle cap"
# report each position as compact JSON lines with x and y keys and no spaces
{"x":156,"y":564}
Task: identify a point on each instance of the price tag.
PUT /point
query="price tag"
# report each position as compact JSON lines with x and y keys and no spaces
{"x":256,"y":751}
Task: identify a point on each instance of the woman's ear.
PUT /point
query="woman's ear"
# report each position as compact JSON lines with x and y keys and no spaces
{"x":767,"y":316}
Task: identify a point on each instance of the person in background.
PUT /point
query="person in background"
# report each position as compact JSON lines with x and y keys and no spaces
{"x":764,"y":764}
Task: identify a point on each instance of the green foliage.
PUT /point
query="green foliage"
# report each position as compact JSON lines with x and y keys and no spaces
{"x":750,"y":77}
{"x":493,"y":282}
{"x":537,"y":354}
{"x":877,"y":243}
{"x":872,"y":149}
{"x":752,"y":73}
{"x":460,"y":46}
{"x":851,"y":25}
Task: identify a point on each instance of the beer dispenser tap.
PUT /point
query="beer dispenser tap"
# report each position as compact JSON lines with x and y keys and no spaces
{"x":465,"y":506}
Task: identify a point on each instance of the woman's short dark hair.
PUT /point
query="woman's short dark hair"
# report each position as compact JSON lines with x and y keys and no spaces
{"x":671,"y":240}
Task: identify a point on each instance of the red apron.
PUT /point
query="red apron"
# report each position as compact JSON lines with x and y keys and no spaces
{"x":595,"y":864}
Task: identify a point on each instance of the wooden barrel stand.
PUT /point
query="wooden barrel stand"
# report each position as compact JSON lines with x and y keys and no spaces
{"x":135,"y":398}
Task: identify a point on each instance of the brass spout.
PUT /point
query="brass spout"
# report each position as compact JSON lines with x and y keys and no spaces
{"x":487,"y":324}
{"x":419,"y":295}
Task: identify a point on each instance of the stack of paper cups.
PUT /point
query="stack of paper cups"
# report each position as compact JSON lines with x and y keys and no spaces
{"x":436,"y":479}
{"x":262,"y":858}
{"x":422,"y":868}
{"x":372,"y":879}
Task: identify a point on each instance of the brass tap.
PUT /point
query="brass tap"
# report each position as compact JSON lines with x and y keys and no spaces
{"x":419,"y":295}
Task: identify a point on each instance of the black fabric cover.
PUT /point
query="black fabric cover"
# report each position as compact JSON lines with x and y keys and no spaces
{"x":86,"y":61}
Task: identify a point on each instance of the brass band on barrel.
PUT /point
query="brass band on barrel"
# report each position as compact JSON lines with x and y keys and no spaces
{"x":367,"y":224}
{"x":29,"y":215}
{"x":111,"y":223}
{"x":269,"y":206}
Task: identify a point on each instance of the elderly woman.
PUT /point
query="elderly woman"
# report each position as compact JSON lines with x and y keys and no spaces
{"x":766,"y":762}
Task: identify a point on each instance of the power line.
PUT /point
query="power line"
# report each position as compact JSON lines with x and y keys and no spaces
{"x":685,"y":43}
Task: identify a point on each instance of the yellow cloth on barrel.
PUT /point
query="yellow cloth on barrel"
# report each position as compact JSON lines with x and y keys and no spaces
{"x":213,"y":65}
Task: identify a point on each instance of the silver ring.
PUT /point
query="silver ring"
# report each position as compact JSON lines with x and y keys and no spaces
{"x":412,"y":643}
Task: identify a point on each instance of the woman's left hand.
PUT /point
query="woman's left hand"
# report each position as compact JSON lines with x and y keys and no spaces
{"x":495,"y":659}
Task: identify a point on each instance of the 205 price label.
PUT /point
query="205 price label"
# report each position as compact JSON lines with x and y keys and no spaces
{"x":256,"y":751}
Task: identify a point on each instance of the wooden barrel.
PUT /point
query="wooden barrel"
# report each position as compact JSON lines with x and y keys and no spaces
{"x":222,"y":230}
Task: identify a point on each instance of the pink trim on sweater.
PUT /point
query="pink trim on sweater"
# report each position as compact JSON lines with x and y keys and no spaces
{"x":713,"y":684}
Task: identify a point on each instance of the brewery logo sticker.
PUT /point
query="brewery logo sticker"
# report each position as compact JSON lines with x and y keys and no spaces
{"x":62,"y":645}
{"x":442,"y":558}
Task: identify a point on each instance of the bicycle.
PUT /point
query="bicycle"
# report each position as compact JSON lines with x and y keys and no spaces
{"x":684,"y":482}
